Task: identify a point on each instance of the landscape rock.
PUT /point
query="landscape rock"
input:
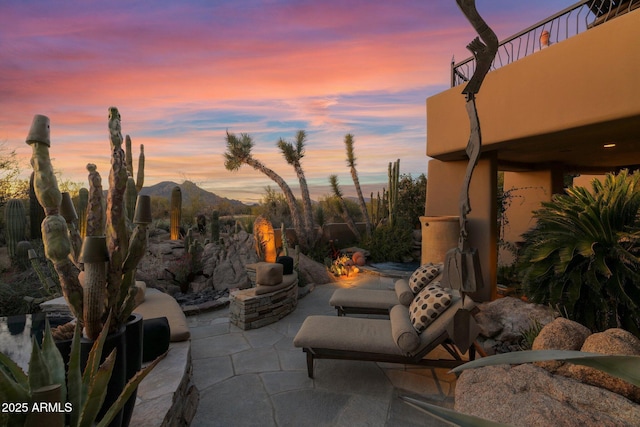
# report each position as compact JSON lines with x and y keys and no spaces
{"x":313,"y":272}
{"x":526,"y":395}
{"x":560,"y":334}
{"x":611,"y":341}
{"x":225,"y":264}
{"x":161,"y":253}
{"x":504,"y":320}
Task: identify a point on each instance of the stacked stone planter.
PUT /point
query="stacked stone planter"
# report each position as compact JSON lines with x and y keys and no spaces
{"x":274,"y":296}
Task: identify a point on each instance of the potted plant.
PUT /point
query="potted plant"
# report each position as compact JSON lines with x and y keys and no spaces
{"x":97,"y":274}
{"x":80,"y":397}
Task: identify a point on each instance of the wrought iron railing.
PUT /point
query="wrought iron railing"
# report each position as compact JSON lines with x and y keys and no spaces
{"x":561,"y":26}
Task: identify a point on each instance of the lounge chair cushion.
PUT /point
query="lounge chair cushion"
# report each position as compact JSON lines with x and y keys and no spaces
{"x":403,"y":292}
{"x":269,"y":273}
{"x":404,"y":334}
{"x":428,"y":305}
{"x":423,"y":276}
{"x":363,"y":298}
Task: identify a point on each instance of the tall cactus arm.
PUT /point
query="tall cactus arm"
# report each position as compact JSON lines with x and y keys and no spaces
{"x":54,"y":228}
{"x":128,"y":155}
{"x":115,"y":228}
{"x":95,"y":212}
{"x":140,"y":176}
{"x":131,"y":195}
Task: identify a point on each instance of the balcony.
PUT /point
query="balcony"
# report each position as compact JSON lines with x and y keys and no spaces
{"x":557,"y":105}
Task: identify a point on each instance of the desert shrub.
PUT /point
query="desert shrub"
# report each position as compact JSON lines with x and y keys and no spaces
{"x":583,"y":254}
{"x":388,"y":243}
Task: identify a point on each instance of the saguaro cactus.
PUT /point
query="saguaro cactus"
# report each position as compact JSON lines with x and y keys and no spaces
{"x":176,"y":212}
{"x":15,"y":223}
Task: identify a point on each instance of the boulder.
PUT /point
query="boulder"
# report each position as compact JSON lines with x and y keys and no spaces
{"x":224,"y":265}
{"x":560,"y":334}
{"x":504,"y":319}
{"x":611,"y":341}
{"x":527,"y":395}
{"x":313,"y":272}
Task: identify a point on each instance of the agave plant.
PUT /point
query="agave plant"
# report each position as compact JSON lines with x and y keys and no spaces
{"x":583,"y":253}
{"x":82,"y":394}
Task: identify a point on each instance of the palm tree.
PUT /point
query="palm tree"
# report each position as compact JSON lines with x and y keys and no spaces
{"x":583,"y":253}
{"x":239,"y":153}
{"x":292,"y":155}
{"x":351,"y":161}
{"x":335,"y":186}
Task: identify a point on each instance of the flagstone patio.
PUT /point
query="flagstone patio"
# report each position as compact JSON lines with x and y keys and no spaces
{"x":258,"y":378}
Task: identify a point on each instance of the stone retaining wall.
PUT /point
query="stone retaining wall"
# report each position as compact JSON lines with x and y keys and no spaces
{"x":250,"y":311}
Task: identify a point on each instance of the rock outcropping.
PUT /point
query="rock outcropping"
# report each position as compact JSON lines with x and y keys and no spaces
{"x":527,"y":395}
{"x":555,"y":393}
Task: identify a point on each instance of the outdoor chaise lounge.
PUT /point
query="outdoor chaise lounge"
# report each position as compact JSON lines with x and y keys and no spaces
{"x":370,"y":301}
{"x":393,"y":340}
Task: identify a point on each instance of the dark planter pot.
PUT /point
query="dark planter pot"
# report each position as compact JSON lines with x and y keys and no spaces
{"x":128,"y":342}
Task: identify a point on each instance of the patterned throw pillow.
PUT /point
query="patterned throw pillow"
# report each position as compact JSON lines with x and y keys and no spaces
{"x":432,"y":301}
{"x":423,"y":276}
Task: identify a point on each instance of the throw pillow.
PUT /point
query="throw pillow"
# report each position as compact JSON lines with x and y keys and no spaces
{"x":423,"y":276}
{"x":432,"y":301}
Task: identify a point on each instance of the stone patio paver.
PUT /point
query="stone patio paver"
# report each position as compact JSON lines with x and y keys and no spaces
{"x":258,"y":378}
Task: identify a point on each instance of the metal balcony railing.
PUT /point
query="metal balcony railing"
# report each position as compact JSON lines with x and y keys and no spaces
{"x":564,"y":24}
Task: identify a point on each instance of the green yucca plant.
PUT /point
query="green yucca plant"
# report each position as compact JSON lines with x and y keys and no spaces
{"x":583,"y":254}
{"x":82,"y":394}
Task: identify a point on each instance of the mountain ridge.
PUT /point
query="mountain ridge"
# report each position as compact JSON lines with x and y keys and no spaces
{"x":189,"y":191}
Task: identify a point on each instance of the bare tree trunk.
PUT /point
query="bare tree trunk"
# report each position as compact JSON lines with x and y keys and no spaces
{"x":306,"y":203}
{"x":291,"y":200}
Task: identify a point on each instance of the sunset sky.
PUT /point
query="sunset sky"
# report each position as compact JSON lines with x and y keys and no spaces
{"x":182,"y":73}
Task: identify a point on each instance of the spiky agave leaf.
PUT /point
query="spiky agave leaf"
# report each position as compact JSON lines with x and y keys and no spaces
{"x":625,"y":367}
{"x":97,"y":390}
{"x":127,"y":392}
{"x":449,"y":416}
{"x":75,"y":387}
{"x":54,"y":361}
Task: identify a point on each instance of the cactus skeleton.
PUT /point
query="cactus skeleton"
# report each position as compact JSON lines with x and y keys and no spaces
{"x":106,"y":289}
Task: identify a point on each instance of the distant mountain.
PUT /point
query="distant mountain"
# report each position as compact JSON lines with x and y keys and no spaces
{"x":189,"y":191}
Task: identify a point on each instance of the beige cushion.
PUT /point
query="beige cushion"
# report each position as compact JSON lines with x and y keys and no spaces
{"x":404,"y":334}
{"x":287,"y":281}
{"x":369,"y":335}
{"x":423,"y":276}
{"x":269,"y":273}
{"x":428,"y":305}
{"x":347,"y":333}
{"x":403,"y":292}
{"x":363,"y":298}
{"x":159,"y":304}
